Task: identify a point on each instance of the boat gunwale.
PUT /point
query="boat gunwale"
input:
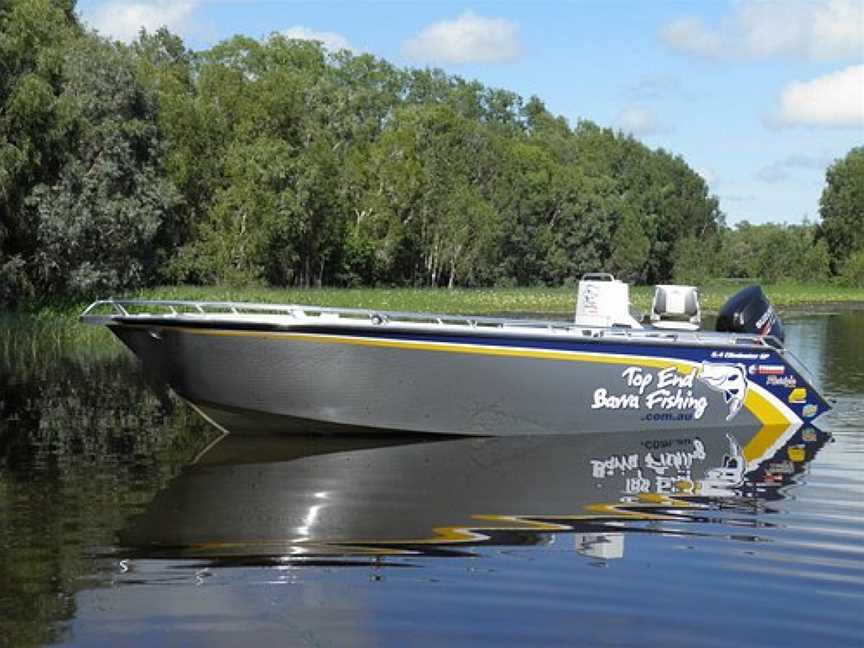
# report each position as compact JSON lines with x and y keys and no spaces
{"x":244,"y":317}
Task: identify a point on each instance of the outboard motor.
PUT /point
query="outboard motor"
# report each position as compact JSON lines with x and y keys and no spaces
{"x":749,"y":311}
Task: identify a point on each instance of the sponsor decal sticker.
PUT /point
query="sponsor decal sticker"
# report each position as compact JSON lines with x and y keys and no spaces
{"x":664,"y":390}
{"x":766,"y":322}
{"x":796,"y":453}
{"x":790,"y":382}
{"x":730,"y":380}
{"x":739,"y":355}
{"x":809,"y":411}
{"x":809,"y":436}
{"x":798,"y":395}
{"x":669,"y":395}
{"x":781,"y":468}
{"x":767,"y":370}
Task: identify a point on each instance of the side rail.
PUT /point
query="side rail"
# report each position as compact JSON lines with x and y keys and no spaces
{"x":105,"y":311}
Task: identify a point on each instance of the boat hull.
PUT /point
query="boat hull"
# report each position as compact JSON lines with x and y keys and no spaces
{"x":303,"y":379}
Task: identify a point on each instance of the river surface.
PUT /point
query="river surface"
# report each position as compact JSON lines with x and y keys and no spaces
{"x":125,"y":520}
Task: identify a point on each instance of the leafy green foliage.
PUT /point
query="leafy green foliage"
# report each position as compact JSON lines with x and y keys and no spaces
{"x":96,"y":222}
{"x":695,"y":261}
{"x":34,"y":120}
{"x":630,"y":248}
{"x":277,"y":162}
{"x":773,"y":253}
{"x":842,"y":206}
{"x":315,"y":168}
{"x":852,"y":271}
{"x":14,"y":282}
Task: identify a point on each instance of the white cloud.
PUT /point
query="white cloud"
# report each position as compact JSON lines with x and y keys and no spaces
{"x":467,"y":39}
{"x":640,"y":120}
{"x":835,"y":99}
{"x":779,"y":170}
{"x":689,"y":34}
{"x":331,"y":40}
{"x":818,"y":30}
{"x":708,"y":174}
{"x":123,"y":19}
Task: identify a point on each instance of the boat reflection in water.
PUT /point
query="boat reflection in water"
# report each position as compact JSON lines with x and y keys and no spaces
{"x":273,"y":498}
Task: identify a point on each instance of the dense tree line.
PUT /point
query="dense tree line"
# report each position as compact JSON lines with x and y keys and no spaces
{"x":769,"y":252}
{"x":832,"y":249}
{"x":277,"y":161}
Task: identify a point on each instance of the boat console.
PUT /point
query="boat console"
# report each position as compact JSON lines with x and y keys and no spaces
{"x":604,"y":302}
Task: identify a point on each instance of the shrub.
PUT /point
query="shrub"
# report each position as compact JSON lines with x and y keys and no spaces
{"x":852,"y":271}
{"x":14,"y":282}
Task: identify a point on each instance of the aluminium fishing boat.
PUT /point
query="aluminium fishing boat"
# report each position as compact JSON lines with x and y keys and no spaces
{"x":266,"y":368}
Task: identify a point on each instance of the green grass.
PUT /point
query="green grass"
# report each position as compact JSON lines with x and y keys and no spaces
{"x":557,"y":302}
{"x":479,"y":301}
{"x":42,"y":328}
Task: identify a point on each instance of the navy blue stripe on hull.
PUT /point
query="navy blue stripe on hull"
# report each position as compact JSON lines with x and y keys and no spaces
{"x":622,"y":346}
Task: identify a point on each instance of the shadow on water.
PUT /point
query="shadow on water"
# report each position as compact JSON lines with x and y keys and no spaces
{"x":104,"y":478}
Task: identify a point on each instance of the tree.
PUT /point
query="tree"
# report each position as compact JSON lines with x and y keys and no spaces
{"x":772,"y":252}
{"x":230,"y":241}
{"x":34,"y":123}
{"x":429,"y":173}
{"x":852,"y":271}
{"x":523,"y":199}
{"x":190,"y":129}
{"x":279,"y":162}
{"x":97,"y":221}
{"x":695,"y":260}
{"x":630,"y":247}
{"x":841,"y":207}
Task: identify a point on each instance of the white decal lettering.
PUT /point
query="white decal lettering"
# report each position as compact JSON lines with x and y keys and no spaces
{"x":670,"y":389}
{"x":602,"y":400}
{"x":636,"y":378}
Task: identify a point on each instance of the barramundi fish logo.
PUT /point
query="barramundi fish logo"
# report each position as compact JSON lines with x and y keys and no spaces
{"x":730,"y":379}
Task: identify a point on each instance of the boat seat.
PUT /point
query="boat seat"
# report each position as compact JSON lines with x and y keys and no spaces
{"x":676,"y":308}
{"x":673,"y":325}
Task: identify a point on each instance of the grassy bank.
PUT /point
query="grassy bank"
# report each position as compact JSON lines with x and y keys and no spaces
{"x":548,"y":301}
{"x":49,"y":327}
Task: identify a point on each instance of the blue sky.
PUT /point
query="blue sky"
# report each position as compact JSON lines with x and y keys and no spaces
{"x":758,"y":97}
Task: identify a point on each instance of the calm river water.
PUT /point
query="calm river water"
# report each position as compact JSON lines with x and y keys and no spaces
{"x":122,"y":523}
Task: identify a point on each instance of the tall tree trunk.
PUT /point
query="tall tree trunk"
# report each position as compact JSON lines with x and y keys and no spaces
{"x":453,"y":259}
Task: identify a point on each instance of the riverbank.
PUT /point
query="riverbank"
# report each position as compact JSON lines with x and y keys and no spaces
{"x":41,"y":328}
{"x":552,"y":302}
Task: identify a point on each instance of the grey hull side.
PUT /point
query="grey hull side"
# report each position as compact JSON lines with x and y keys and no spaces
{"x":272,"y":384}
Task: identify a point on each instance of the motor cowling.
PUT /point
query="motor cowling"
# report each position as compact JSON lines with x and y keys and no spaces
{"x":749,"y":311}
